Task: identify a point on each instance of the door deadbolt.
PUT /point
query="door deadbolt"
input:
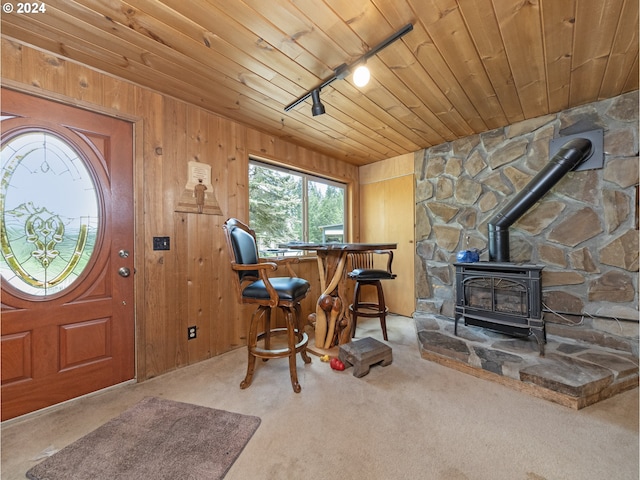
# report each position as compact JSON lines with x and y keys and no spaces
{"x":123,"y":253}
{"x":124,"y":272}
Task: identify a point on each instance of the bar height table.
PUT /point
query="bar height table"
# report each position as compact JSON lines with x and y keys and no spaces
{"x":332,"y":319}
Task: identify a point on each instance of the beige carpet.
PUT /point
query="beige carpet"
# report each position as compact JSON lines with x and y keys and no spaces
{"x":155,"y":439}
{"x":413,"y":419}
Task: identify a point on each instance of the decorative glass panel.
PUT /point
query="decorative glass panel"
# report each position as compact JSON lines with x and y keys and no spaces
{"x":50,"y":213}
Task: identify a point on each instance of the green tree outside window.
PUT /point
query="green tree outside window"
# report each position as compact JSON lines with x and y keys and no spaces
{"x":286,"y":206}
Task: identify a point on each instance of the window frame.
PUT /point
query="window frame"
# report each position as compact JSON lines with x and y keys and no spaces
{"x":306,"y":177}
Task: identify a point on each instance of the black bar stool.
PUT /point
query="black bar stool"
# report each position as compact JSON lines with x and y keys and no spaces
{"x":365,"y":273}
{"x":254,"y":286}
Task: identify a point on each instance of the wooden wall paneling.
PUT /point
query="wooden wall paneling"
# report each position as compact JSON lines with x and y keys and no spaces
{"x":222,"y":307}
{"x":310,"y":161}
{"x":197,"y":135}
{"x":118,"y":95}
{"x":307,"y":269}
{"x":176,"y":265}
{"x":179,"y":291}
{"x":391,"y":168}
{"x":43,"y":70}
{"x":287,"y":152}
{"x":196,"y":271}
{"x":259,"y":143}
{"x":141,"y":246}
{"x":200,"y":309}
{"x":229,"y":321}
{"x":234,"y":152}
{"x":232,"y":166}
{"x":192,"y":279}
{"x":235,"y":331}
{"x":150,"y":106}
{"x":223,"y":165}
{"x":273,"y":148}
{"x":354,"y":215}
{"x":230,"y":170}
{"x":11,"y":59}
{"x":83,"y":83}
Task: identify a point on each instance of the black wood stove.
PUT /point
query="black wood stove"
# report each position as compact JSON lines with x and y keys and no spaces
{"x":504,"y":297}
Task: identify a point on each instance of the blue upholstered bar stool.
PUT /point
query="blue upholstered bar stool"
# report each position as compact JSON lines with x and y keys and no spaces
{"x":366,"y":272}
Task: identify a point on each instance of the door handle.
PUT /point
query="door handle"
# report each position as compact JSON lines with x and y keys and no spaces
{"x":124,"y":272}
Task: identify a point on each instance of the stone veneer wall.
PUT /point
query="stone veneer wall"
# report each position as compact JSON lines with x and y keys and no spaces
{"x":584,"y":230}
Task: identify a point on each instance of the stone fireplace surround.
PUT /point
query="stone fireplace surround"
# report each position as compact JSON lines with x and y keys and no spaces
{"x":584,"y":230}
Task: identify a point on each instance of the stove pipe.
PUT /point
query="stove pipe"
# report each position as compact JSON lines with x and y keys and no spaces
{"x":570,"y":155}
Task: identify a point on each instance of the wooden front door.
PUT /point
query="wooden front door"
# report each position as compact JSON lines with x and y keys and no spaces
{"x":66,"y":198}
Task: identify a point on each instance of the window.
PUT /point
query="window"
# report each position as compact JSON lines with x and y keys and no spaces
{"x":49,"y":213}
{"x":287,"y":205}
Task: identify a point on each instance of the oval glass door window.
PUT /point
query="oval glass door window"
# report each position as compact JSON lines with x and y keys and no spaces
{"x":50,"y":213}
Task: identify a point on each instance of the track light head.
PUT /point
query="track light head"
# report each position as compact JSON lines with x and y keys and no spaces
{"x":361,"y":76}
{"x":317,"y":108}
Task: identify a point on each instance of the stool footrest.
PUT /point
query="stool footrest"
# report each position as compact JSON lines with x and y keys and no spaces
{"x":280,"y":352}
{"x":375,"y":310}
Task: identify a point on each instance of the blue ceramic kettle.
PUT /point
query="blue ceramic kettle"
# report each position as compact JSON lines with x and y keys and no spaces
{"x":468,"y":256}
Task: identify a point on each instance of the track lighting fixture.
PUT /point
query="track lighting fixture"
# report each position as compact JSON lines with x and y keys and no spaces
{"x":318,"y":107}
{"x":360,"y":74}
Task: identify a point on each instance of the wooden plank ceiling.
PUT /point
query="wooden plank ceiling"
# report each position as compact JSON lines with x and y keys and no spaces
{"x":467,"y":66}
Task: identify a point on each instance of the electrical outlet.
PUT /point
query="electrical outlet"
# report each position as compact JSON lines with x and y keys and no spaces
{"x":192,"y":332}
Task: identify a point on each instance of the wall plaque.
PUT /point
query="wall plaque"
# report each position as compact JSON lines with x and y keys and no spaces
{"x":198,"y":195}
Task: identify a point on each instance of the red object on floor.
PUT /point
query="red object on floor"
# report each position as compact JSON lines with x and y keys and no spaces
{"x":336,"y":364}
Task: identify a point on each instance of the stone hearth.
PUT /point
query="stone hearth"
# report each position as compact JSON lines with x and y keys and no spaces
{"x":572,"y":373}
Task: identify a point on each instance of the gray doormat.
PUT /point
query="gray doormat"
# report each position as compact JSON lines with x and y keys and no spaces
{"x":154,"y":439}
